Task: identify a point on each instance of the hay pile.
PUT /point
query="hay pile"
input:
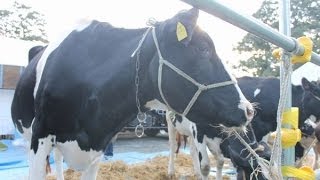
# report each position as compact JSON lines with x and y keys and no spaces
{"x":155,"y":168}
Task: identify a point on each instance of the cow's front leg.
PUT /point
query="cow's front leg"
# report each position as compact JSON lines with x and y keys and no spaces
{"x":40,"y":149}
{"x":91,"y":172}
{"x":214,"y":147}
{"x":58,"y":160}
{"x":173,"y":146}
{"x":220,"y":162}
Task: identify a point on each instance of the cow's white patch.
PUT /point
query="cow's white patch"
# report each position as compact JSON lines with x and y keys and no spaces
{"x":27,"y":132}
{"x":58,"y":160}
{"x":245,"y":105}
{"x":186,"y":127}
{"x":213,"y":144}
{"x":75,"y":157}
{"x":214,"y":147}
{"x":256,"y":92}
{"x":79,"y":26}
{"x":266,"y":138}
{"x":38,"y":159}
{"x":243,"y":102}
{"x":311,"y":121}
{"x":156,"y":104}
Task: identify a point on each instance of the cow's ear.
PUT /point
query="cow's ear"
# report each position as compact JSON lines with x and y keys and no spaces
{"x":185,"y":25}
{"x":305,"y":84}
{"x":312,"y":88}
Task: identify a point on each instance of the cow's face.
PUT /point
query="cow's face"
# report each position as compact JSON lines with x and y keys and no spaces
{"x":311,"y":99}
{"x":196,"y":56}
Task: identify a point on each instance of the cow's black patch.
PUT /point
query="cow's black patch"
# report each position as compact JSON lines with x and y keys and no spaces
{"x":200,"y":157}
{"x":87,"y":91}
{"x":268,"y":99}
{"x":193,"y":132}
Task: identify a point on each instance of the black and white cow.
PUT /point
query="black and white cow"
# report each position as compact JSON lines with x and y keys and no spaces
{"x":86,"y":85}
{"x":219,"y":144}
{"x":266,"y":92}
{"x":311,"y":127}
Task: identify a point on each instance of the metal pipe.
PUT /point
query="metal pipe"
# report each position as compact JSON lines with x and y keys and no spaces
{"x":251,"y":25}
{"x":288,"y":155}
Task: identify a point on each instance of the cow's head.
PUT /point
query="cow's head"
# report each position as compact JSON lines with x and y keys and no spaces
{"x":246,"y":163}
{"x":311,"y":99}
{"x":190,"y":49}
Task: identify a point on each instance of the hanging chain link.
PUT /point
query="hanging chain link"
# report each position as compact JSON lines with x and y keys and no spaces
{"x":137,"y":80}
{"x":141,"y":116}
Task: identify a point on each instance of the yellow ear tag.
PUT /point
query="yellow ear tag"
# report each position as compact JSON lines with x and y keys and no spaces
{"x":181,"y":31}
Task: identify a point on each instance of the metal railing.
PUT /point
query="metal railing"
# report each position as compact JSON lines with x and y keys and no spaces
{"x":251,"y":25}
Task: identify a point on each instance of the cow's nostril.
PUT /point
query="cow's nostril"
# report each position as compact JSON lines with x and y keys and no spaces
{"x":250,"y":112}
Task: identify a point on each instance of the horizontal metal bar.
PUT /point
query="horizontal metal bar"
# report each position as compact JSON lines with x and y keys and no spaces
{"x":251,"y":25}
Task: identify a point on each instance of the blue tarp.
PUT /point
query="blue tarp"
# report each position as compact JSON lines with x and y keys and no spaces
{"x":14,"y":161}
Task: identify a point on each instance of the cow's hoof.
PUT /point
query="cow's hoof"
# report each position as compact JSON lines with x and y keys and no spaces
{"x":171,"y":176}
{"x":205,"y":170}
{"x":198,"y":176}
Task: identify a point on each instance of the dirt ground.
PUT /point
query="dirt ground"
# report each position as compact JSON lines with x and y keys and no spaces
{"x":155,"y":168}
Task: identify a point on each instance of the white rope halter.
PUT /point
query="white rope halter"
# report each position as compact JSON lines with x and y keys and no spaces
{"x":162,"y":62}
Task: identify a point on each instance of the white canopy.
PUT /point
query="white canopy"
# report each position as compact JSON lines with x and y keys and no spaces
{"x":308,"y":70}
{"x":15,"y":51}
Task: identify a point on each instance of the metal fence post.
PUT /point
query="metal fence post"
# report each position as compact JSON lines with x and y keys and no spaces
{"x":288,"y":155}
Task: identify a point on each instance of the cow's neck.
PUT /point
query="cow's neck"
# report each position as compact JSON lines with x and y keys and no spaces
{"x":148,"y":59}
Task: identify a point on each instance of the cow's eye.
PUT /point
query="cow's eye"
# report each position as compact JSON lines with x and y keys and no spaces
{"x":203,"y":51}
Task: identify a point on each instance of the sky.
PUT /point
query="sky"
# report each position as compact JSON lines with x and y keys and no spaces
{"x":135,"y":13}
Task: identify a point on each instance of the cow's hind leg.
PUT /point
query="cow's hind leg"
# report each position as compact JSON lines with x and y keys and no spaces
{"x":58,"y":160}
{"x":195,"y":159}
{"x":91,"y":172}
{"x":204,"y":160}
{"x":40,"y":149}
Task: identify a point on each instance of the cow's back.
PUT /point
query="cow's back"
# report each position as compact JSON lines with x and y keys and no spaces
{"x":265,"y":93}
{"x":84,"y":80}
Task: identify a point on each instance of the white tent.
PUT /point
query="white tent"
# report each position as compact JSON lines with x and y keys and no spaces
{"x":308,"y":70}
{"x":14,"y":51}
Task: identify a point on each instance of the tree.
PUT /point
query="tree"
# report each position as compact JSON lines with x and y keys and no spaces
{"x":305,"y":21}
{"x":21,"y":22}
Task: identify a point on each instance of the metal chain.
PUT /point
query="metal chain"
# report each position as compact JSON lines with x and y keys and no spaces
{"x":139,"y":130}
{"x":137,"y":80}
{"x":141,"y":116}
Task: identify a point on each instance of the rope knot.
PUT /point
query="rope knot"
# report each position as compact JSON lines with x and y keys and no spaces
{"x":152,"y":22}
